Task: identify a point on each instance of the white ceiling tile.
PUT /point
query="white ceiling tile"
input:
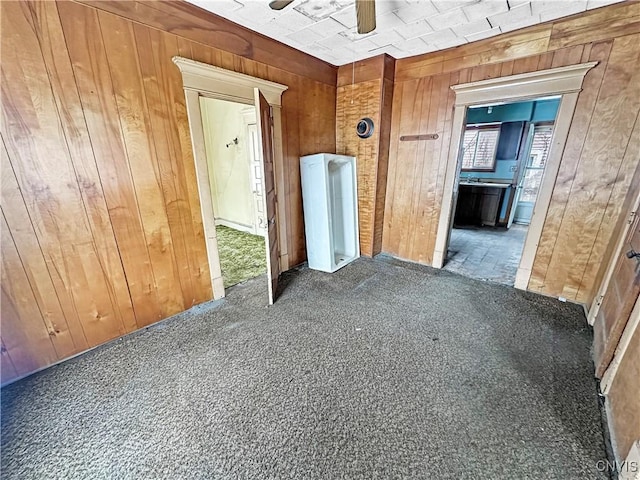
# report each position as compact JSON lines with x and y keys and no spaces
{"x":470,"y":28}
{"x":485,"y":8}
{"x":515,"y":3}
{"x":388,"y":21}
{"x":336,"y":42}
{"x":254,"y":13}
{"x":441,"y":36}
{"x":452,"y":42}
{"x":416,"y":11}
{"x":305,"y":37}
{"x":353,"y":35}
{"x":443,"y":6}
{"x":218,"y":6}
{"x":553,"y":10}
{"x":514,"y":15}
{"x":293,"y":19}
{"x":390,"y":37}
{"x":274,"y":29}
{"x":482,"y":35}
{"x":413,"y":44}
{"x":387,"y":6}
{"x":346,"y":17}
{"x":599,"y":3}
{"x":320,"y":9}
{"x":447,"y":19}
{"x":326,"y":28}
{"x":393,"y":51}
{"x":527,"y":22}
{"x":415,"y":29}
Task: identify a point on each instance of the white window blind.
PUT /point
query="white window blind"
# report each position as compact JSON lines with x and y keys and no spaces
{"x":541,"y":145}
{"x":479,"y":148}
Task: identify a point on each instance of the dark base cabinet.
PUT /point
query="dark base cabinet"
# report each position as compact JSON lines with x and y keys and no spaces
{"x":478,"y":206}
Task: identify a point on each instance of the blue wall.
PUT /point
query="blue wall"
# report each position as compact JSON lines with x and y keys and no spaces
{"x":533,"y":111}
{"x":538,"y":111}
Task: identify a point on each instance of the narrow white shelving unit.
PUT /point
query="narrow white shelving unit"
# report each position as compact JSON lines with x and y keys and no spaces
{"x":330,"y":203}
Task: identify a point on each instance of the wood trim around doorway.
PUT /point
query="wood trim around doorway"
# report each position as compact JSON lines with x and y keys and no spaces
{"x":200,"y":79}
{"x":563,"y":81}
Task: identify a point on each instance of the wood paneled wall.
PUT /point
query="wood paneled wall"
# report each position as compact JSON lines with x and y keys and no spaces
{"x":365,"y":89}
{"x":102,"y":231}
{"x":597,"y":165}
{"x":622,"y":405}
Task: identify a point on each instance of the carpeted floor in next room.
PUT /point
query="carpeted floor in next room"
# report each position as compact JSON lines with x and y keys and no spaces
{"x":380,"y":370}
{"x":242,"y":255}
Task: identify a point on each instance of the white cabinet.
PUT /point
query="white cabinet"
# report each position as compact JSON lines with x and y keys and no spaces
{"x":330,"y":203}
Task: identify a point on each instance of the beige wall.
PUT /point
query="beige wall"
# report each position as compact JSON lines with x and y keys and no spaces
{"x":229,"y":167}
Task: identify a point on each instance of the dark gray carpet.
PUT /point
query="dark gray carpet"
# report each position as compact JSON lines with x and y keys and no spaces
{"x":381,"y":370}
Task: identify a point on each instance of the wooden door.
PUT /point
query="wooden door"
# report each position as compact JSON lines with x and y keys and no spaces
{"x":264,"y":121}
{"x":618,"y":301}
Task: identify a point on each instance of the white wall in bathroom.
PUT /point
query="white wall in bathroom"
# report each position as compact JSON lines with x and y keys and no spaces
{"x":228,"y":166}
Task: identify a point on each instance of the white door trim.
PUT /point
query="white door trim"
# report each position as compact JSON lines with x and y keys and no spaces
{"x":564,"y":81}
{"x":201,"y":79}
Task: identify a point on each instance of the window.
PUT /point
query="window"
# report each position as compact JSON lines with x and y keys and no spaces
{"x":540,"y":146}
{"x":479,"y":148}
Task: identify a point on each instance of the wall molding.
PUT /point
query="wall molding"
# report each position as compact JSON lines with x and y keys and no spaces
{"x":556,"y":80}
{"x":220,"y":82}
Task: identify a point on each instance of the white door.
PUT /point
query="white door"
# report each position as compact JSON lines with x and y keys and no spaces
{"x":256,"y":177}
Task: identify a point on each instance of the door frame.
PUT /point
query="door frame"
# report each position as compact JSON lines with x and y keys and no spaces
{"x":201,"y":79}
{"x":563,"y":81}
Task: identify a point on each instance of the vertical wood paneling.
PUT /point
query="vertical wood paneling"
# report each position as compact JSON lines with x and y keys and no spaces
{"x":357,"y":101}
{"x":103,"y":227}
{"x":57,"y":63}
{"x":27,"y":338}
{"x":34,"y":135}
{"x":623,"y":408}
{"x":383,"y":160}
{"x":88,"y":57}
{"x":135,"y":122}
{"x":597,"y":174}
{"x":596,"y":165}
{"x":572,"y":152}
{"x":365,"y":89}
{"x":55,"y":306}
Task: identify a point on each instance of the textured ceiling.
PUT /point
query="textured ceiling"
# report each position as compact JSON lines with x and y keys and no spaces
{"x":326,"y":28}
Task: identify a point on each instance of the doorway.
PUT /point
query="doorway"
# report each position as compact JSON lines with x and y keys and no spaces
{"x":565,"y":82}
{"x":505,"y":147}
{"x":203,"y":80}
{"x":235,"y":177}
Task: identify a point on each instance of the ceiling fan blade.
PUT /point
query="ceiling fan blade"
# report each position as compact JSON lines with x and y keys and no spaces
{"x":279,"y":4}
{"x":366,"y":13}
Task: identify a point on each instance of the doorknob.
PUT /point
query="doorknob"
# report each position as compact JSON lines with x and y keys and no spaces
{"x":633,"y":254}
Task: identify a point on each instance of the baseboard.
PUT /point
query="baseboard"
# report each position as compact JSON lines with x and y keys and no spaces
{"x":236,"y":226}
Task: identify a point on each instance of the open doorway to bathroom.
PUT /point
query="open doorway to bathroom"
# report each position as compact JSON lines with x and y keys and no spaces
{"x":235,"y":176}
{"x":505,"y":147}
